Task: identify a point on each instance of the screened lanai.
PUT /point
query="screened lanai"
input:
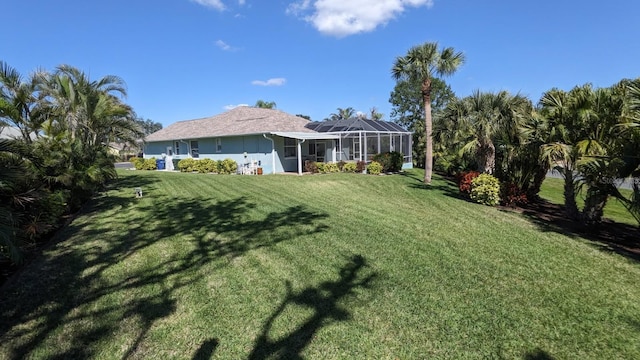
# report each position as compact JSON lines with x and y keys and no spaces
{"x":361,"y":139}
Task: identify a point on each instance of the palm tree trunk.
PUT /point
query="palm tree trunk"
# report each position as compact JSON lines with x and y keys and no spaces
{"x":538,"y":178}
{"x":570,"y":205}
{"x":594,"y":206}
{"x":428,"y":130}
{"x":490,"y":164}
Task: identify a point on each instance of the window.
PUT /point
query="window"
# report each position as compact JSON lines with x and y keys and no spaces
{"x":289,"y":148}
{"x":218,"y":145}
{"x":177,"y":147}
{"x":194,"y":149}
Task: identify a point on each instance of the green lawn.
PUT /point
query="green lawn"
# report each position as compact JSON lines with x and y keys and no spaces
{"x":552,"y":191}
{"x":339,"y":266}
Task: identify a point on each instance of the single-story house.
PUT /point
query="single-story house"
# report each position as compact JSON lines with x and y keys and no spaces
{"x":276,"y":141}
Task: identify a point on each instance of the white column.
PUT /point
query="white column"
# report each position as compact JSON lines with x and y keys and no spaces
{"x":300,"y":156}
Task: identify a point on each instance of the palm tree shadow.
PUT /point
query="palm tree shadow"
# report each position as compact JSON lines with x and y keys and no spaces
{"x":538,"y":354}
{"x":206,"y":349}
{"x":324,"y":300}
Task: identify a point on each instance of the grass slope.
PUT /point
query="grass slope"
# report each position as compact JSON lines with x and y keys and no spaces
{"x":337,"y":266}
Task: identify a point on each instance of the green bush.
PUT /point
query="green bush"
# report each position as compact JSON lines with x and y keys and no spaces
{"x":149,"y":164}
{"x":375,"y":168}
{"x":349,"y":167}
{"x":390,"y":161}
{"x":227,"y":166}
{"x":341,"y":164}
{"x":206,"y":165}
{"x":137,"y":162}
{"x":485,"y":189}
{"x":331,"y":168}
{"x":320,"y":166}
{"x":187,"y":165}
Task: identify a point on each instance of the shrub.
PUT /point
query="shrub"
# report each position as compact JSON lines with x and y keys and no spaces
{"x":206,"y":165}
{"x":341,"y":164}
{"x":227,"y":166}
{"x":485,"y":189}
{"x":310,"y":166}
{"x":349,"y":167}
{"x":137,"y":162}
{"x":360,"y":166}
{"x":331,"y":168}
{"x":464,"y":180}
{"x":187,"y":165}
{"x":320,"y":166}
{"x":390,"y":161}
{"x":512,"y":195}
{"x":375,"y":168}
{"x":149,"y":164}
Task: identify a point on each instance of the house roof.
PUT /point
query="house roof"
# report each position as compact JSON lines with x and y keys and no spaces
{"x":355,"y":124}
{"x":242,"y":120}
{"x":306,"y":135}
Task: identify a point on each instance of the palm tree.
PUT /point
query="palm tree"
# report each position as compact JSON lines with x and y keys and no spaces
{"x":265,"y":104}
{"x":424,"y":62}
{"x":581,"y":142}
{"x":20,"y":106}
{"x":481,"y":120}
{"x":342,"y":114}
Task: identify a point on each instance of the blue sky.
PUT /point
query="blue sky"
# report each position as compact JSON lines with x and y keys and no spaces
{"x":185,"y":59}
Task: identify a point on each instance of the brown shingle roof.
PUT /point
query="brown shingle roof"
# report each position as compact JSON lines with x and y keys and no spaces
{"x":242,"y":120}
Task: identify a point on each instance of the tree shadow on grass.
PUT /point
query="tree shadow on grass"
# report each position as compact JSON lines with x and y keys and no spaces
{"x":324,"y":300}
{"x":609,"y":236}
{"x":65,"y":289}
{"x":447,"y":186}
{"x":538,"y":354}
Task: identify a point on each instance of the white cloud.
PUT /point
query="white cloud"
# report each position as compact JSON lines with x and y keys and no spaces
{"x":347,"y":17}
{"x":270,"y":82}
{"x":223,"y":45}
{"x":241,"y":2}
{"x":214,"y":4}
{"x":230,"y":107}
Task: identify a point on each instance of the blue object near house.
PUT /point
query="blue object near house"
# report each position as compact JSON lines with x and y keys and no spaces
{"x":280,"y":142}
{"x":160,"y":164}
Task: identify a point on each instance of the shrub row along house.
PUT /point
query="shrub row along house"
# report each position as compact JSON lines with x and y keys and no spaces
{"x":278,"y":142}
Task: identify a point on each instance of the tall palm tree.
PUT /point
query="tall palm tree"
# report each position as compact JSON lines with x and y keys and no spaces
{"x":423,"y":62}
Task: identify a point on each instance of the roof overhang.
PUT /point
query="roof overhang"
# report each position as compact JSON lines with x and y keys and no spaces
{"x":305,"y":135}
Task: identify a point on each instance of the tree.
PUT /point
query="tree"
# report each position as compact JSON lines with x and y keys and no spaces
{"x":148,"y":126}
{"x":424,"y":62}
{"x":483,"y":119}
{"x":265,"y":104}
{"x":20,"y":106}
{"x":342,"y":114}
{"x":375,"y":115}
{"x":304,"y":116}
{"x":408,"y":110}
{"x":581,"y":122}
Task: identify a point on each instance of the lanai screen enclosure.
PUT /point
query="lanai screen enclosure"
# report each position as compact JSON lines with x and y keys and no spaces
{"x":361,"y":139}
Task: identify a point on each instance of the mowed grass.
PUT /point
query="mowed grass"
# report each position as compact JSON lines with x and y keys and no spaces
{"x":339,"y":266}
{"x":552,"y":190}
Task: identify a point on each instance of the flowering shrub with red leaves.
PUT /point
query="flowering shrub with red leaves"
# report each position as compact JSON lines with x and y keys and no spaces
{"x":512,"y":195}
{"x":464,"y":180}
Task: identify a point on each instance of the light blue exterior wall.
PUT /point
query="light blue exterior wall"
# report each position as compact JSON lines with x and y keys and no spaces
{"x":256,"y":146}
